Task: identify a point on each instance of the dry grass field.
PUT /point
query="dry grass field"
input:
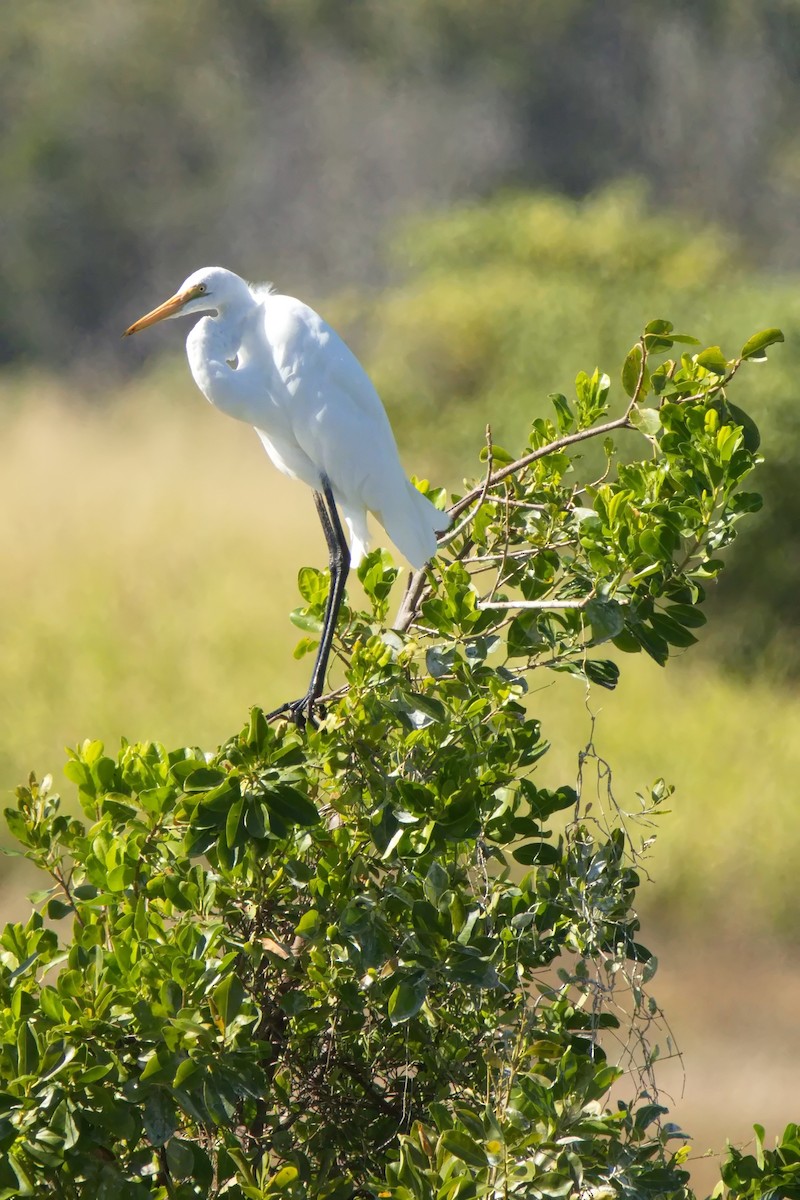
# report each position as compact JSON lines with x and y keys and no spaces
{"x":149,"y":557}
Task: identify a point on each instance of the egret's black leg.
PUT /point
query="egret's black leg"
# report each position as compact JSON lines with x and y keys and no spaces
{"x":339,"y":562}
{"x":339,"y":565}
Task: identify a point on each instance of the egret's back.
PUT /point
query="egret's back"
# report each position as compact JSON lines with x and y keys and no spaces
{"x":328,"y":421}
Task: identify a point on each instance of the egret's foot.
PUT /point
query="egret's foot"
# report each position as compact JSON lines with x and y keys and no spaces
{"x":301,"y":711}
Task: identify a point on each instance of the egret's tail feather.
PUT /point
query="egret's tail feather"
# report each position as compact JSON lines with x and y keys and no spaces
{"x":410,"y":520}
{"x":413,"y":524}
{"x":356,"y":523}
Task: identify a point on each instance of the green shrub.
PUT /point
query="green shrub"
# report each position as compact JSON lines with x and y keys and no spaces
{"x":494,"y":292}
{"x":361,"y":959}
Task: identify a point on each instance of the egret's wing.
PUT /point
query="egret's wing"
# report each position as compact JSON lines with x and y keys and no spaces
{"x":340,"y":425}
{"x":305,"y":349}
{"x":335,"y":413}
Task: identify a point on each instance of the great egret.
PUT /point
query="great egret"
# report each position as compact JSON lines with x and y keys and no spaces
{"x":271,"y":361}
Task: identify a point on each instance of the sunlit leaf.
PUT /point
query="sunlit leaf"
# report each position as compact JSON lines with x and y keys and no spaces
{"x":755,"y":347}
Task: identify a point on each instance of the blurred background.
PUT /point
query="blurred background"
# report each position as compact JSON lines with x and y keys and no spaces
{"x":486,"y":196}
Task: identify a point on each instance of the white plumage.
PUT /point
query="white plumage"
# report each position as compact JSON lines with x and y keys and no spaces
{"x":273,"y":362}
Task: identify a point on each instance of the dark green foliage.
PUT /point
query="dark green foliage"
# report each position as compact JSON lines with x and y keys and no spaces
{"x":765,"y":1175}
{"x":376,"y":957}
{"x":149,"y":138}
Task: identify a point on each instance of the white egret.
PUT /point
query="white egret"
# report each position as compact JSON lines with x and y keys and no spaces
{"x":273,"y":362}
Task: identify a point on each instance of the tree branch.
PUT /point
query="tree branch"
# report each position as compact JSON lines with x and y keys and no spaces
{"x":416,"y":583}
{"x":569,"y":605}
{"x":569,"y":439}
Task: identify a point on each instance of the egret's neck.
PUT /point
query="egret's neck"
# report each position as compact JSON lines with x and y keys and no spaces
{"x":217,"y":338}
{"x":217,"y":351}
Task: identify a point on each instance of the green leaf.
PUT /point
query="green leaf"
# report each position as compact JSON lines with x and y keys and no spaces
{"x":746,"y":502}
{"x":631,"y":370}
{"x":654,"y":645}
{"x":464,"y":1147}
{"x":120,"y":877}
{"x":687,"y":614}
{"x":291,"y":805}
{"x":233,"y":822}
{"x":282,"y":1178}
{"x":308,"y":924}
{"x":140,"y":921}
{"x":255,"y":818}
{"x":185,"y":1071}
{"x":466,"y":964}
{"x":202,"y":779}
{"x":305,"y":620}
{"x":440,"y":660}
{"x":180,"y":1158}
{"x":15,"y":1178}
{"x":305,"y":646}
{"x":657,"y":543}
{"x":659,"y":326}
{"x":713,"y":360}
{"x":752,"y":437}
{"x":606,"y":619}
{"x":525,"y":635}
{"x":500,"y":456}
{"x":93,"y":1074}
{"x":603,"y":672}
{"x":158,"y":1063}
{"x":592,"y":396}
{"x":544,"y":802}
{"x":56,"y":909}
{"x":671,"y":630}
{"x":437,"y":881}
{"x":755,"y":347}
{"x":408,"y":998}
{"x":312,"y":585}
{"x":51,"y":1004}
{"x":646,"y":420}
{"x":18,"y":826}
{"x":538,"y":854}
{"x":565,"y":417}
{"x":160,"y":1117}
{"x":228,"y":998}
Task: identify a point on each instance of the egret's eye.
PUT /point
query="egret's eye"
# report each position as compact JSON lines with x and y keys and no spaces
{"x":201,"y":287}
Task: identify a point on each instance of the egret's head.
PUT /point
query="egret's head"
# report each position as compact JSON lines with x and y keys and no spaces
{"x":211,"y":289}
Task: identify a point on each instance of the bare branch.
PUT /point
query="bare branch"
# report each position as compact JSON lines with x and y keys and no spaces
{"x":453,"y":532}
{"x":568,"y":605}
{"x":569,"y":439}
{"x":416,"y":583}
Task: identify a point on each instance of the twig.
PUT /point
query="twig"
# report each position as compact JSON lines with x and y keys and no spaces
{"x":712,"y":391}
{"x":374,"y":1096}
{"x":64,"y":883}
{"x":507,"y":532}
{"x":569,"y":439}
{"x":408,"y":609}
{"x":453,"y":532}
{"x":569,"y":605}
{"x":336,"y":694}
{"x":416,"y":581}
